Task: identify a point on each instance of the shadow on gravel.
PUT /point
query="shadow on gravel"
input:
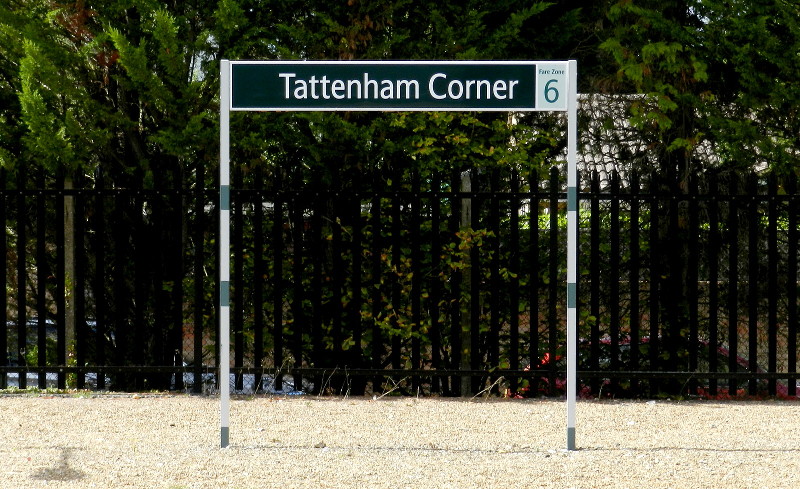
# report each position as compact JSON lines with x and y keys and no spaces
{"x":60,"y":471}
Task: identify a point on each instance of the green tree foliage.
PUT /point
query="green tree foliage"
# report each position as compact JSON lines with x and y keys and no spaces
{"x":652,"y":44}
{"x":753,"y":60}
{"x":717,"y":79}
{"x":131,"y":86}
{"x":116,"y":85}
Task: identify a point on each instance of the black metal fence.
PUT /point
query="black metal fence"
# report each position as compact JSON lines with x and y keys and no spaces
{"x":446,"y":284}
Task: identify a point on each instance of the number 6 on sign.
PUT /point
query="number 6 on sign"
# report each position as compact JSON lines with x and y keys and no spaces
{"x":550,"y":92}
{"x":551,"y":85}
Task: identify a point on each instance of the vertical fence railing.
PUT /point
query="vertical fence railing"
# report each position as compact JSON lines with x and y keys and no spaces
{"x":335,"y":282}
{"x":739,"y":249}
{"x":4,"y":345}
{"x":130,"y":309}
{"x":792,"y":282}
{"x":22,"y":276}
{"x":713,"y":263}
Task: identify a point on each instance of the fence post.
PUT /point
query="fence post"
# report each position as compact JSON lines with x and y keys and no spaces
{"x":337,"y":282}
{"x":199,"y":302}
{"x":552,"y":321}
{"x":3,"y":277}
{"x":713,"y":279}
{"x":41,"y":278}
{"x":733,"y":280}
{"x":655,"y":273}
{"x":513,"y":268}
{"x":493,"y":350}
{"x":298,"y":315}
{"x":100,"y":276}
{"x":315,"y":244}
{"x":435,"y":283}
{"x":534,"y":255}
{"x":753,"y":225}
{"x":357,"y":302}
{"x":634,"y":272}
{"x":692,"y":279}
{"x":395,"y":290}
{"x":474,"y":285}
{"x":237,"y":242}
{"x":416,"y":279}
{"x":594,"y":281}
{"x":466,"y":327}
{"x":277,"y":278}
{"x":22,"y":274}
{"x":377,"y":251}
{"x":791,"y":285}
{"x":772,"y":281}
{"x":79,"y":299}
{"x":260,"y":272}
{"x":614,"y":277}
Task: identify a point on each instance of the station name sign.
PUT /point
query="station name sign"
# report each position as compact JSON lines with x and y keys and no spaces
{"x":398,"y":85}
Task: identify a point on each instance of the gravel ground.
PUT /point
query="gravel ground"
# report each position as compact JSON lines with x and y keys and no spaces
{"x":146,"y":441}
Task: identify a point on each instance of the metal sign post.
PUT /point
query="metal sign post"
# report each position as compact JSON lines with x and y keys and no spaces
{"x":572,"y":251}
{"x":224,"y":253}
{"x":505,"y":86}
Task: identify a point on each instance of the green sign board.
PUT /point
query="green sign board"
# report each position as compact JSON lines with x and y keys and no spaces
{"x":398,"y":85}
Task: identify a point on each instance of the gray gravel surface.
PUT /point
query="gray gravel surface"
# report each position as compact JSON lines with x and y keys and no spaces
{"x":150,"y":441}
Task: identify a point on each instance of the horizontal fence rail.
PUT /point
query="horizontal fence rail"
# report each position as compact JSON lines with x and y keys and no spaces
{"x":449,"y":283}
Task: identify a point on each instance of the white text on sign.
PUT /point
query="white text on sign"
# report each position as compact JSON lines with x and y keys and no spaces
{"x":367,"y":88}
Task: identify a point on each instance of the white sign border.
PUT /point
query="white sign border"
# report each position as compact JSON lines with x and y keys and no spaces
{"x":466,"y":108}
